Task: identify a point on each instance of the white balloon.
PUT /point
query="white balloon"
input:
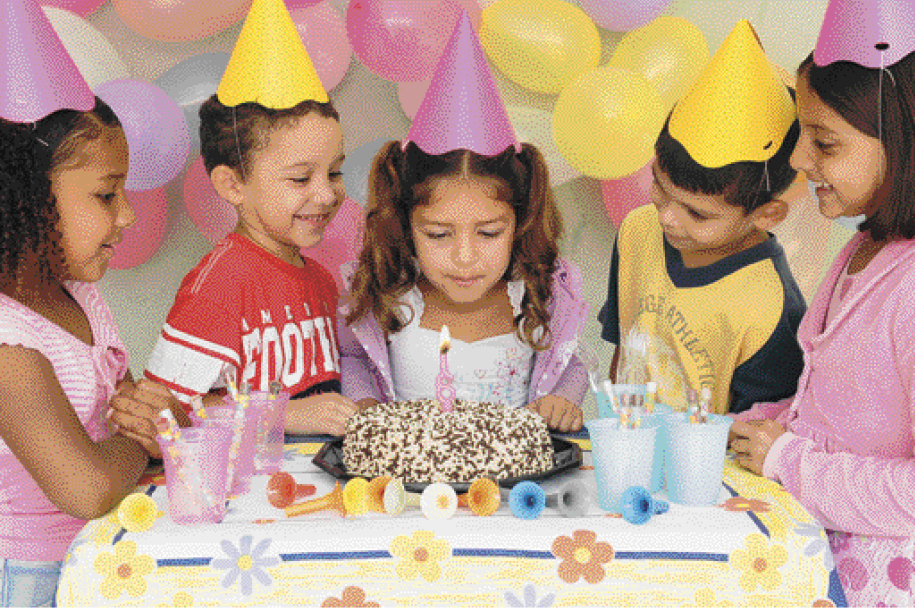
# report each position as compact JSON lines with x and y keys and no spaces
{"x":536,"y":127}
{"x":93,"y":55}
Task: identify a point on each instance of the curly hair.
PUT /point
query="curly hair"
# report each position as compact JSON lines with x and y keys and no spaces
{"x":228,"y":135}
{"x":400,"y":180}
{"x":31,"y":157}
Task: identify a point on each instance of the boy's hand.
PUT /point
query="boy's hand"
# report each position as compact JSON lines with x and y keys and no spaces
{"x":752,"y":442}
{"x":135,"y":409}
{"x":559,"y":414}
{"x":326,"y":413}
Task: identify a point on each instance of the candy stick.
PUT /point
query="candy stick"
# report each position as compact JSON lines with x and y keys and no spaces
{"x":170,"y":432}
{"x":241,"y":403}
{"x":228,"y":375}
{"x":611,"y":394}
{"x":692,"y":406}
{"x":705,"y":403}
{"x":274,"y":389}
{"x":197,"y":406}
{"x":651,"y":396}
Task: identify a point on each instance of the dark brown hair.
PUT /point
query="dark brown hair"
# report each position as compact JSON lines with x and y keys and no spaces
{"x":31,"y":156}
{"x":400,"y":180}
{"x":851,"y":91}
{"x":228,"y":136}
{"x":742,"y":184}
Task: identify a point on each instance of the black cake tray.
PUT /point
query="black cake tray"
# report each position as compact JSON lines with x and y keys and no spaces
{"x":567,"y":455}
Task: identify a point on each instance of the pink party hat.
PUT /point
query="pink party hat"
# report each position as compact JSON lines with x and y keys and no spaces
{"x":37,"y":75}
{"x":462,"y":107}
{"x":872,"y":33}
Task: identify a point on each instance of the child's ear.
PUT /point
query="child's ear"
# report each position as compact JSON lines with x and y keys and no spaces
{"x":227,"y":184}
{"x":771,"y":214}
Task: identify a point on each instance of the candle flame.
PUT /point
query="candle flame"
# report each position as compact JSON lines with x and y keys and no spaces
{"x":444,"y":343}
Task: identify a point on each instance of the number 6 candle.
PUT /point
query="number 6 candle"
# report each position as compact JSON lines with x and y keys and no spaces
{"x":444,"y":382}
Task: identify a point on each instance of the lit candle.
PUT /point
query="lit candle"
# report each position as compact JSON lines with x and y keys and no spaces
{"x":444,"y":382}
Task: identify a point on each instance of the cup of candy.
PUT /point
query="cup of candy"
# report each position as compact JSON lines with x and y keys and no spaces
{"x":622,"y":456}
{"x":695,"y":459}
{"x":196,"y":464}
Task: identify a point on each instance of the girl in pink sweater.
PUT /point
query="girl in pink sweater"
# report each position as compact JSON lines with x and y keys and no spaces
{"x":844,"y":445}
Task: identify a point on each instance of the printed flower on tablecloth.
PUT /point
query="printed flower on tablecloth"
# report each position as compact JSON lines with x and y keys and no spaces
{"x":530,"y":599}
{"x":838,"y":541}
{"x":179,"y":600}
{"x":352,"y":597}
{"x":123,"y":570}
{"x":419,"y":555}
{"x":246,"y":563}
{"x":739,"y":503}
{"x":853,"y":574}
{"x":706,"y":598}
{"x":582,"y":557}
{"x":818,"y":543}
{"x":759,"y":562}
{"x":824,"y":603}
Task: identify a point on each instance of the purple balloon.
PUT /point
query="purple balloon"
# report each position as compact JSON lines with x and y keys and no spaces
{"x":623,"y":15}
{"x":156,"y":131}
{"x":402,"y":40}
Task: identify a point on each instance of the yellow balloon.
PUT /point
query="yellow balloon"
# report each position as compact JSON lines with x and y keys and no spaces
{"x":539,"y":45}
{"x":669,"y":52}
{"x":606,"y":122}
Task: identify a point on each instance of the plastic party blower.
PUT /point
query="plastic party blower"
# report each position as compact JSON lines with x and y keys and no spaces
{"x":526,"y":500}
{"x":376,"y":491}
{"x":331,"y":500}
{"x":571,"y":500}
{"x":355,"y":496}
{"x":282,"y":490}
{"x":637,"y":505}
{"x":482,"y":498}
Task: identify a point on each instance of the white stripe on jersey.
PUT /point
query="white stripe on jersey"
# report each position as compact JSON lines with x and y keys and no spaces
{"x":173,"y":335}
{"x":181,"y":367}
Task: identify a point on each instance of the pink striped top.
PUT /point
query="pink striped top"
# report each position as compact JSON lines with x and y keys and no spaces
{"x":31,"y":526}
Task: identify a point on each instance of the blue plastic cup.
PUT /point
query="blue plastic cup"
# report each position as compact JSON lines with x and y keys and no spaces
{"x":604,"y":407}
{"x":621,"y":458}
{"x":695,"y":459}
{"x":664,"y":417}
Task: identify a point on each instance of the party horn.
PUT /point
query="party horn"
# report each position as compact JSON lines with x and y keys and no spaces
{"x":331,"y":500}
{"x":526,"y":500}
{"x":571,"y":500}
{"x":483,"y":497}
{"x":282,"y":490}
{"x":375,"y":493}
{"x":637,"y":505}
{"x":438,"y":501}
{"x":396,"y":498}
{"x":355,"y":496}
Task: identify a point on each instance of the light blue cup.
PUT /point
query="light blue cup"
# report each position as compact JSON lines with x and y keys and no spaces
{"x":695,"y":459}
{"x":605,"y":407}
{"x":621,"y":458}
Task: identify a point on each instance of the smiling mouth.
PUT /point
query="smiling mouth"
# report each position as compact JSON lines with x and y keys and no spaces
{"x":315,"y":219}
{"x":465,"y":280}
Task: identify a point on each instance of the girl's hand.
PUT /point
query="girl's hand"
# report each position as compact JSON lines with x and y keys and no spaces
{"x":752,"y":442}
{"x":559,"y":414}
{"x":135,"y":409}
{"x":325,"y":413}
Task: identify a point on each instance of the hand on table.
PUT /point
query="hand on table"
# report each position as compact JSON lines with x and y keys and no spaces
{"x":752,"y":440}
{"x":558,"y":413}
{"x":325,"y":413}
{"x":135,"y":408}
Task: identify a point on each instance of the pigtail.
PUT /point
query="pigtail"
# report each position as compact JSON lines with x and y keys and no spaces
{"x":385,"y":270}
{"x":536,"y":246}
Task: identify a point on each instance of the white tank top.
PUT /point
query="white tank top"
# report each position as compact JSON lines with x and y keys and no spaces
{"x":495,"y":369}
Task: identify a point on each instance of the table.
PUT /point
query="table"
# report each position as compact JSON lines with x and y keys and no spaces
{"x":757,"y":547}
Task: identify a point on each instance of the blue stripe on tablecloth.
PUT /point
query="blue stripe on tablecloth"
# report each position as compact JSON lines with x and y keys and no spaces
{"x":120,"y":534}
{"x":753,"y":517}
{"x":836,"y":592}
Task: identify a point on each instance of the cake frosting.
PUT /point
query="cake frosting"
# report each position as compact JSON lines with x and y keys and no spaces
{"x":417,"y":442}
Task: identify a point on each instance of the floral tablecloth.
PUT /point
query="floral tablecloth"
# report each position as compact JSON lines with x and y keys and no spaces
{"x":758,"y":546}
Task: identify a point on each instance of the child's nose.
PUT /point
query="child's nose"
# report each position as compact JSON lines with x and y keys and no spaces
{"x":800,"y":158}
{"x":465,"y":251}
{"x":325,"y":193}
{"x":126,"y":215}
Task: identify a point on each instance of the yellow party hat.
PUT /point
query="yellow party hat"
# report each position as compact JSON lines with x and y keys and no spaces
{"x":270,"y":64}
{"x":738,"y":109}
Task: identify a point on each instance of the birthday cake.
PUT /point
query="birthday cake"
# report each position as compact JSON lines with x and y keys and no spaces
{"x":417,"y":442}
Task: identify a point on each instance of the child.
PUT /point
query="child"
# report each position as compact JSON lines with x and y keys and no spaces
{"x":700,"y":293}
{"x":462,"y":231}
{"x":62,"y":171}
{"x":254,"y":304}
{"x":843,"y":446}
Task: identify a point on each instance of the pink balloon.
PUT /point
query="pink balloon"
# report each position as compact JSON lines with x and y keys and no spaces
{"x":180,"y":20}
{"x":342,"y":240}
{"x":141,"y":240}
{"x":411,"y":96}
{"x":623,"y":15}
{"x":83,"y":8}
{"x":323,"y":32}
{"x":210,"y":213}
{"x":625,"y":194}
{"x":401,"y":40}
{"x":297,"y":4}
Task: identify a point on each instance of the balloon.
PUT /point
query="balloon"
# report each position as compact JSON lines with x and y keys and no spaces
{"x":292,"y":5}
{"x":155,"y":128}
{"x":356,"y":169}
{"x":626,"y":193}
{"x":81,"y":7}
{"x":606,"y":122}
{"x":536,"y":127}
{"x":212,"y":215}
{"x":542,"y":45}
{"x":410,"y":95}
{"x":401,"y":40}
{"x":323,"y":32}
{"x":670,"y":52}
{"x":96,"y":59}
{"x":342,"y":240}
{"x":141,"y":240}
{"x":180,"y":21}
{"x":190,"y":83}
{"x":623,"y":15}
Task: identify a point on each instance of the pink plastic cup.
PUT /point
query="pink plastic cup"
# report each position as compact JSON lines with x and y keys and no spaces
{"x":223,"y":416}
{"x":195,"y":474}
{"x":271,"y":431}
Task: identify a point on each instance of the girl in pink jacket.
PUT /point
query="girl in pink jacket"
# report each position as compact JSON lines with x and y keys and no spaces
{"x":844,"y":445}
